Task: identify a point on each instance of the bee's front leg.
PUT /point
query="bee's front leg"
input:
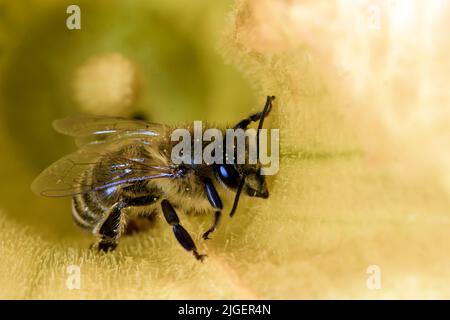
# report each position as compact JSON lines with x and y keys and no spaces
{"x":216,"y":203}
{"x":181,"y":233}
{"x":217,"y":216}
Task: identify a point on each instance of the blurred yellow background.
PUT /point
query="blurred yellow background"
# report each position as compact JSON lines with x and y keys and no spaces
{"x":364,"y":115}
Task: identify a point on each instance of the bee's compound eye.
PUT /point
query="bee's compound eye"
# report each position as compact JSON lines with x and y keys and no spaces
{"x":228,"y":175}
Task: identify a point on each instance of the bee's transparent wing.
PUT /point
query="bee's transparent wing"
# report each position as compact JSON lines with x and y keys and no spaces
{"x":96,"y":129}
{"x":73,"y":174}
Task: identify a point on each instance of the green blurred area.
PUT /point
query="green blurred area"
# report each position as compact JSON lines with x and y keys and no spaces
{"x":174,"y":45}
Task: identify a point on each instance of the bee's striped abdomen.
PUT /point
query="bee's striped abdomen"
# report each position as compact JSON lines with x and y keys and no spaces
{"x":88,"y":210}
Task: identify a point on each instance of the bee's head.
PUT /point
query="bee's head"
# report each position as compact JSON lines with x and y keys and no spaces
{"x":250,"y":177}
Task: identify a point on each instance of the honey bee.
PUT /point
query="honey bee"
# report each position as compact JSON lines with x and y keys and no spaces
{"x":123,"y":169}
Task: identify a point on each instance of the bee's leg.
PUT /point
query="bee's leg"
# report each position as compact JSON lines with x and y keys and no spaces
{"x":243,"y":124}
{"x":141,"y":201}
{"x":145,"y":221}
{"x":181,"y":234}
{"x":216,"y":203}
{"x":111,"y":229}
{"x":217,"y":216}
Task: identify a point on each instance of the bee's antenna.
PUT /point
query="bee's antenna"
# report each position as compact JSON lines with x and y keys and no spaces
{"x":265,"y":112}
{"x":238,"y":194}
